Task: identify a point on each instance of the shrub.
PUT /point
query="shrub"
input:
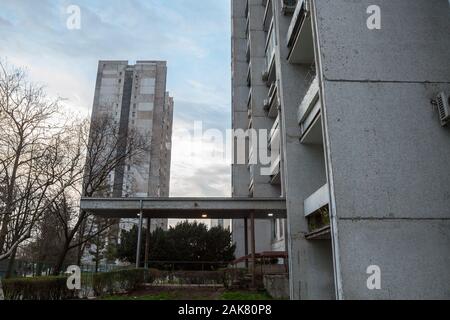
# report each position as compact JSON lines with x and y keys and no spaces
{"x":234,"y":276}
{"x":121,"y":281}
{"x":38,"y":288}
{"x":197,"y":277}
{"x":103,"y":283}
{"x":130,"y":280}
{"x":153,"y":275}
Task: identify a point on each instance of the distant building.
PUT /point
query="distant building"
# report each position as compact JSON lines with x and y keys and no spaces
{"x":224,"y":223}
{"x":135,"y":97}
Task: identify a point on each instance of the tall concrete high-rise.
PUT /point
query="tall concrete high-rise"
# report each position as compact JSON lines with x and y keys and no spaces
{"x":135,"y":97}
{"x":249,"y":91}
{"x":351,"y":87}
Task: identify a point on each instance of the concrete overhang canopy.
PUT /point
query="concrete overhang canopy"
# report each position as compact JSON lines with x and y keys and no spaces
{"x":186,"y":208}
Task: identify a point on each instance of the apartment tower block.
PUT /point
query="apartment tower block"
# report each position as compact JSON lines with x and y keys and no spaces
{"x":358,"y":93}
{"x":135,"y":98}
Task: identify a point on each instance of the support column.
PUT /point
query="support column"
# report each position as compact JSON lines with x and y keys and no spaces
{"x":246,"y":241}
{"x":147,"y":243}
{"x":138,"y":249}
{"x":253,"y":244}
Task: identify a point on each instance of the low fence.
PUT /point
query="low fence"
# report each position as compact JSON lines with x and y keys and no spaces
{"x":35,"y":269}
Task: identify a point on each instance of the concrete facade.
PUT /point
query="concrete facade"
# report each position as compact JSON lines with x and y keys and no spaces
{"x":135,"y":97}
{"x":248,"y":94}
{"x":358,"y":128}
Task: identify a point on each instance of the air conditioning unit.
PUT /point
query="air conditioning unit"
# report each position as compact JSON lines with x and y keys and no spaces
{"x":443,"y":105}
{"x":265,"y":76}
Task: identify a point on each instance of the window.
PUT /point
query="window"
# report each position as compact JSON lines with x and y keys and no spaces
{"x":148,"y":86}
{"x":146,"y":106}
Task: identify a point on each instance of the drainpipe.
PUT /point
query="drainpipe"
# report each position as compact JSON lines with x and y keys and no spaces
{"x":147,"y":243}
{"x":253,"y":244}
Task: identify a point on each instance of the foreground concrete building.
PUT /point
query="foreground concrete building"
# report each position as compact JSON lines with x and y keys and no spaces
{"x":135,"y":97}
{"x":352,"y":89}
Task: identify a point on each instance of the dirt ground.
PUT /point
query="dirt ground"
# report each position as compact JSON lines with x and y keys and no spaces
{"x":167,"y":292}
{"x":184,"y":293}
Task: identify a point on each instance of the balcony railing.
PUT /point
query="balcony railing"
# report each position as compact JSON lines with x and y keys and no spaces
{"x":268,"y":14}
{"x":296,"y":21}
{"x":249,"y":74}
{"x":317,"y":212}
{"x":275,"y":151}
{"x":309,"y":113}
{"x":275,"y":171}
{"x":299,"y":35}
{"x":270,"y":55}
{"x":308,"y":102}
{"x":247,"y":51}
{"x":272,"y":103}
{"x":274,"y":133}
{"x":317,"y":201}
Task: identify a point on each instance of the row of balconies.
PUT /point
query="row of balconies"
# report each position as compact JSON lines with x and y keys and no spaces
{"x":300,"y":42}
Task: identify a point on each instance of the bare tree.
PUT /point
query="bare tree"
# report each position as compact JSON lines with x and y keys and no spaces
{"x":35,"y":166}
{"x":107,"y":151}
{"x":47,"y":163}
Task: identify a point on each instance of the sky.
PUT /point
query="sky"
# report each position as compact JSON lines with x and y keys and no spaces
{"x":193,"y":36}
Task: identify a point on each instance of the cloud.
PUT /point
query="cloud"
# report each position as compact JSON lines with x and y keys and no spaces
{"x":193,"y":36}
{"x":4,"y":22}
{"x":200,"y":165}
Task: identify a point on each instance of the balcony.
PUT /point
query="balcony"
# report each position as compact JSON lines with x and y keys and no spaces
{"x":272,"y":103}
{"x":247,"y":7}
{"x":309,"y":100}
{"x":288,"y":6}
{"x":249,"y":103}
{"x":247,"y":51}
{"x":309,"y":116}
{"x":247,"y":27}
{"x":269,"y":72}
{"x":299,"y":36}
{"x":274,"y":134}
{"x":316,"y":209}
{"x":268,"y":14}
{"x":252,"y":178}
{"x":274,"y":137}
{"x":317,"y":201}
{"x":275,"y":171}
{"x":249,"y":75}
